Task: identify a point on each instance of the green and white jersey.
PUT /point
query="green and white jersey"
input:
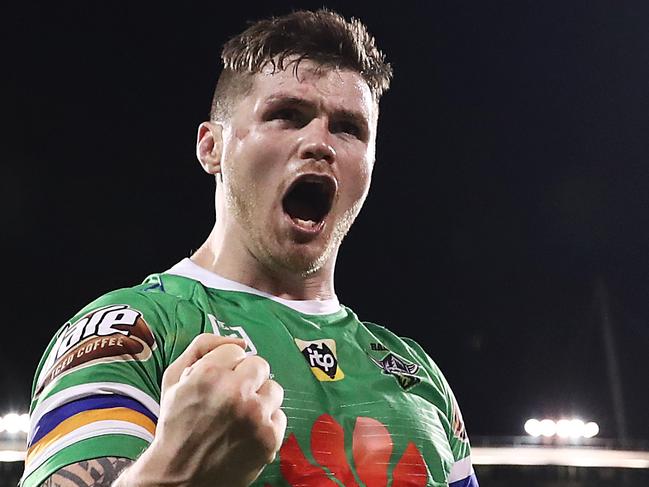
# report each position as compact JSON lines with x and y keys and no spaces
{"x":364,"y":407}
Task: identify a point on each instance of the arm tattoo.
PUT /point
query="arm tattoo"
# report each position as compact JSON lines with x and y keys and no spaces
{"x":100,"y":472}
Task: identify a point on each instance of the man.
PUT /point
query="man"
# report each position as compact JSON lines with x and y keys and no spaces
{"x":169,"y":383}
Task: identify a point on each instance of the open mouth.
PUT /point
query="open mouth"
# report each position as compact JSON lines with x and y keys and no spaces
{"x":309,"y":200}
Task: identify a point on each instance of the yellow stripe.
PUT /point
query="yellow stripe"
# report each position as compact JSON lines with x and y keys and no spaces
{"x":87,"y":417}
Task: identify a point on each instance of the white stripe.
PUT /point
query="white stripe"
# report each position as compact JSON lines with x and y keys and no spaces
{"x":90,"y":389}
{"x":188,"y":268}
{"x":460,"y":470}
{"x":98,"y":428}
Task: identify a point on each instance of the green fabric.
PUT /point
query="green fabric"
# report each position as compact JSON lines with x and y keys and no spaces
{"x":385,"y":412}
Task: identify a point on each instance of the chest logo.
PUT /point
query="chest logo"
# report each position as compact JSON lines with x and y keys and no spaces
{"x":402,"y":370}
{"x":321,"y":357}
{"x":219,"y":328}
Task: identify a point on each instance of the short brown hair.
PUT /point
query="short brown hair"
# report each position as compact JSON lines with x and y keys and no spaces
{"x":323,"y":37}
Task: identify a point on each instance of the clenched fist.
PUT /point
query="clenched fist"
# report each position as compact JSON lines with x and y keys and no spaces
{"x":220,"y":419}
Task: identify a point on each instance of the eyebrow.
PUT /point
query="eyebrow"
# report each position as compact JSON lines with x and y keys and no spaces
{"x":342,"y":113}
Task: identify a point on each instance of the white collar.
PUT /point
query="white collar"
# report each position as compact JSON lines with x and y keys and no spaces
{"x":188,"y":268}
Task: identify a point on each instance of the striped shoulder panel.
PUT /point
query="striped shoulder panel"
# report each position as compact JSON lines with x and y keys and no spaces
{"x":86,"y":411}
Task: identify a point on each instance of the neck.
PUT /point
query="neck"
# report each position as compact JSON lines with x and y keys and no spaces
{"x":234,"y":261}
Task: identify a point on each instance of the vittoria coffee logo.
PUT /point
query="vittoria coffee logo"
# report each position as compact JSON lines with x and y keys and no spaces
{"x":110,"y":334}
{"x":321,"y":356}
{"x":400,"y":369}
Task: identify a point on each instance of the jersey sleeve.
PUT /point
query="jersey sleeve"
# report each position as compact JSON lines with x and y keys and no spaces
{"x":462,"y":473}
{"x":96,"y":391}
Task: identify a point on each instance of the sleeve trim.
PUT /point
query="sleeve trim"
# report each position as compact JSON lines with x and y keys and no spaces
{"x":461,"y":469}
{"x":101,"y":402}
{"x":93,"y":388}
{"x":98,"y":428}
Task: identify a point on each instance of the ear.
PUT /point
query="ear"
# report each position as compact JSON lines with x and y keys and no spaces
{"x":209,"y":146}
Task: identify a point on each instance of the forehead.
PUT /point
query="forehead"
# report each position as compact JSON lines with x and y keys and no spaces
{"x":330,"y":87}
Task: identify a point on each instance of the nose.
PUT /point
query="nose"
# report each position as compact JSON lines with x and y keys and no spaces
{"x":314,"y":143}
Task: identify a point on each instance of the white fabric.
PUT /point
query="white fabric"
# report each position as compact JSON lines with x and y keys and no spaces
{"x":460,"y":470}
{"x":187,"y":268}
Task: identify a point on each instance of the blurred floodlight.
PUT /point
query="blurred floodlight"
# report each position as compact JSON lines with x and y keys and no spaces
{"x":14,"y":423}
{"x":24,"y":423}
{"x":533,"y":427}
{"x":548,"y":427}
{"x":576,"y":428}
{"x":591,"y":429}
{"x":564,"y":429}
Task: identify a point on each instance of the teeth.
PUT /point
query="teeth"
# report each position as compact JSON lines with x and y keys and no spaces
{"x":305,"y":223}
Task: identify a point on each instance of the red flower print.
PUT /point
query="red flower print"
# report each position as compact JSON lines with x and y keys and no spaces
{"x":371,"y":451}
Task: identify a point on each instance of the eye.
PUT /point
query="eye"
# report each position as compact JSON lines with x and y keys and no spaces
{"x":347,"y":127}
{"x":287,"y":115}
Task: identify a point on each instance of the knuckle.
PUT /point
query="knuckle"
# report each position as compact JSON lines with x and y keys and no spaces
{"x":249,"y":408}
{"x":279,"y":417}
{"x":275,"y":386}
{"x":258,"y":363}
{"x":202,"y":340}
{"x":275,"y":390}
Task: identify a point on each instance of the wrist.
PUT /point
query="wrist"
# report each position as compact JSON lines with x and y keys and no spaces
{"x":151,"y":470}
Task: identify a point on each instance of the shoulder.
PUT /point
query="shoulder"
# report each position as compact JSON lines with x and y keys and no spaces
{"x":157,"y":300}
{"x":416,"y":358}
{"x":431,"y":384}
{"x":401,"y":344}
{"x":138,"y":322}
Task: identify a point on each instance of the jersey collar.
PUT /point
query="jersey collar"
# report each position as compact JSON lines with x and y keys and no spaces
{"x":187,"y":268}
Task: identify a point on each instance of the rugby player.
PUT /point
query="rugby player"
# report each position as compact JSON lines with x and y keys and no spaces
{"x":238,"y":366}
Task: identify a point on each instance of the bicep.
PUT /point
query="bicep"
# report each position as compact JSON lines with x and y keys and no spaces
{"x":98,"y":472}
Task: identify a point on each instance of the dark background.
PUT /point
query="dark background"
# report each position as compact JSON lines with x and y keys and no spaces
{"x":511,"y":178}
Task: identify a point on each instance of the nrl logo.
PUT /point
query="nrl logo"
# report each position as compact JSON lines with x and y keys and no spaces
{"x":402,"y":370}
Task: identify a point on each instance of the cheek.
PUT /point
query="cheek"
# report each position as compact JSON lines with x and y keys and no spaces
{"x":250,"y":156}
{"x":360,"y":181}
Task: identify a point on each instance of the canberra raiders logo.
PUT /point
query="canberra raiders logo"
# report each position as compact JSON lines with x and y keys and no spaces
{"x":402,"y":370}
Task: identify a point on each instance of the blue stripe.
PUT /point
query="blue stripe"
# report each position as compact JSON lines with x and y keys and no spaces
{"x":53,"y":418}
{"x":470,"y":481}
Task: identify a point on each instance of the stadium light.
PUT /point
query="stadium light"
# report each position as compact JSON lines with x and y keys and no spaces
{"x":548,"y":428}
{"x":14,"y":423}
{"x":533,"y":427}
{"x":591,"y":429}
{"x":564,"y":428}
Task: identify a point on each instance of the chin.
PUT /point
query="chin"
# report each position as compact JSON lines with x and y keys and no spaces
{"x":305,"y":260}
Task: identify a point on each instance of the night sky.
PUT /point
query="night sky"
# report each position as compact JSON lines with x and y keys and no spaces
{"x":510,"y":186}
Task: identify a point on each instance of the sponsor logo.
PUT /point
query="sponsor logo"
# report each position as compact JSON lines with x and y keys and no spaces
{"x":378,"y":347}
{"x":110,"y":334}
{"x":321,"y":357}
{"x":402,"y":370}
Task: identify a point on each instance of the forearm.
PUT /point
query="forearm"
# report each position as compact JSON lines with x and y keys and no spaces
{"x":110,"y":472}
{"x":99,"y":472}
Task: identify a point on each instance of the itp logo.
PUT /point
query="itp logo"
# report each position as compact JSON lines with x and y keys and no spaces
{"x":321,"y":357}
